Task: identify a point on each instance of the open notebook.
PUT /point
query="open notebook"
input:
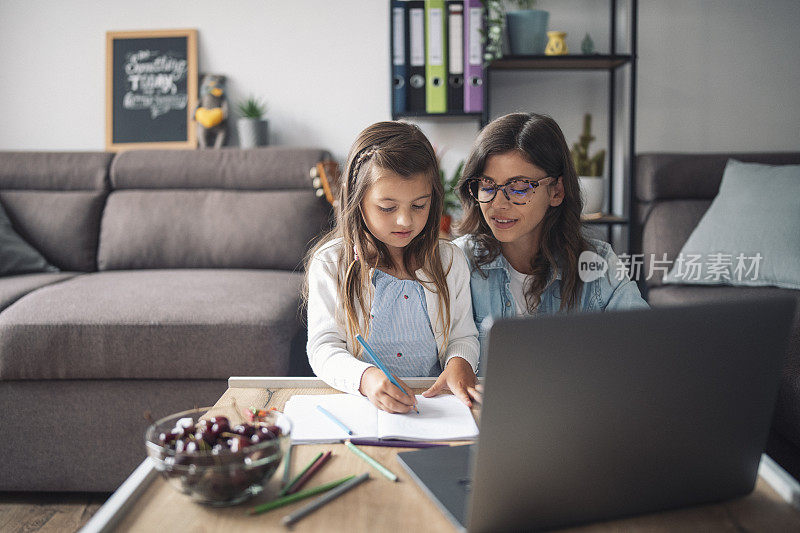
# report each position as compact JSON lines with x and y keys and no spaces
{"x":443,"y":417}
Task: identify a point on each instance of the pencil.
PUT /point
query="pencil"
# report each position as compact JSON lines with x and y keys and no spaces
{"x":322,"y":500}
{"x":370,"y":461}
{"x":286,"y":500}
{"x":372,"y":355}
{"x":285,"y":490}
{"x":397,"y":443}
{"x":334,"y":419}
{"x":287,"y":467}
{"x":310,"y":472}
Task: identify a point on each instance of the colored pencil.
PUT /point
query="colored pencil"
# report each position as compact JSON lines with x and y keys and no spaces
{"x":370,"y":461}
{"x":397,"y":443}
{"x":286,"y":500}
{"x":310,"y":472}
{"x":334,"y":419}
{"x":322,"y":500}
{"x":285,"y":490}
{"x":287,"y":467}
{"x":372,"y":355}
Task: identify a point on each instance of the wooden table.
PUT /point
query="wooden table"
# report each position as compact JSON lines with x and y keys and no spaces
{"x":145,"y":502}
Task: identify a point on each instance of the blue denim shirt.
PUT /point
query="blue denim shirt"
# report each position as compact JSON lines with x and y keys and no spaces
{"x":491,"y":295}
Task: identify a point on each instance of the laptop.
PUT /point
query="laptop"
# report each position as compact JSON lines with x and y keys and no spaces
{"x":597,"y":416}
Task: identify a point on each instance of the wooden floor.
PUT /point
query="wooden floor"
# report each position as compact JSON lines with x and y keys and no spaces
{"x":47,"y":512}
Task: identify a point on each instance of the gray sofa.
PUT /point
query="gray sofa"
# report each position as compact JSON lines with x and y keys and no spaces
{"x":673,"y":191}
{"x":178,"y":270}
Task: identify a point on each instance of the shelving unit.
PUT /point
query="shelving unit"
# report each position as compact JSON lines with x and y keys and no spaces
{"x":612,"y":64}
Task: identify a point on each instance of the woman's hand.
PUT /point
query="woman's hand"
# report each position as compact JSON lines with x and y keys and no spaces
{"x":459,"y":378}
{"x":384,"y":394}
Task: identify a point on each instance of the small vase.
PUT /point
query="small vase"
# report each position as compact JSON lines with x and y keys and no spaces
{"x":252,"y":132}
{"x":557,"y":45}
{"x":592,"y":192}
{"x":527,"y":31}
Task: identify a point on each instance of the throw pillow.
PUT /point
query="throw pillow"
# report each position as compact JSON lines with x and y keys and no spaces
{"x":16,"y":255}
{"x":750,"y":235}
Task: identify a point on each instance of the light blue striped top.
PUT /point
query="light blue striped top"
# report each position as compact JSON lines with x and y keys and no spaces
{"x":400,"y":329}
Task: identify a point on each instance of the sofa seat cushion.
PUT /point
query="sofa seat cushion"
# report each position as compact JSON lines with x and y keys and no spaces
{"x":153,"y":324}
{"x":12,"y":288}
{"x":787,"y":409}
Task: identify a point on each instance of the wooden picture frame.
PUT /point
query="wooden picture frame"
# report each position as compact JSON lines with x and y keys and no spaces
{"x":151,"y":89}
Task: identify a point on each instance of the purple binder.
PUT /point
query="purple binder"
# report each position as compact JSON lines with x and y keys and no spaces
{"x":473,"y":56}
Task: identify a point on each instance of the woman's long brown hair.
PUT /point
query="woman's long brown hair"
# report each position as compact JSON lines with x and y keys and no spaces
{"x":540,"y":141}
{"x":403,"y":149}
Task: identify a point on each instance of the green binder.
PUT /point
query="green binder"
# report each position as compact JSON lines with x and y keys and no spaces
{"x":435,"y":57}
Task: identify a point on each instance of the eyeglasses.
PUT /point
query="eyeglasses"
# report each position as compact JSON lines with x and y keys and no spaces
{"x":516,"y":190}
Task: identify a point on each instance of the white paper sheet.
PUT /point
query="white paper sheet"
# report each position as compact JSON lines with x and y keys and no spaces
{"x":441,"y":418}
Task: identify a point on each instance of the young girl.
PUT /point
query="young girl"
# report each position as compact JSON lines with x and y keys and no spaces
{"x":522,"y":226}
{"x":383,"y":273}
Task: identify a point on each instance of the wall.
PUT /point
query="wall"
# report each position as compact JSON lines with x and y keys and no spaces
{"x":713,"y":75}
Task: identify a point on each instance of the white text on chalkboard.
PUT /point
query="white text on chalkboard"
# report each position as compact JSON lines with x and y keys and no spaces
{"x":152,"y":82}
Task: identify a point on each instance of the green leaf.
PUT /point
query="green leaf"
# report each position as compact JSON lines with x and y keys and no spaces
{"x":252,"y":108}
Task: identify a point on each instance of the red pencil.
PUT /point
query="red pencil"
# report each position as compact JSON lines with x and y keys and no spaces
{"x":310,"y":472}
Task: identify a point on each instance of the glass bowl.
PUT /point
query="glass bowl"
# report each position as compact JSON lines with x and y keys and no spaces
{"x":216,"y":475}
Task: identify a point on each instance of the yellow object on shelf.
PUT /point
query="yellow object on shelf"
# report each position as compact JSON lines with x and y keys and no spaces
{"x":557,"y":45}
{"x":209,"y":117}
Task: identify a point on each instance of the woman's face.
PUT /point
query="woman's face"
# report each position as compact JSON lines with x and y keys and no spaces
{"x":512,"y":223}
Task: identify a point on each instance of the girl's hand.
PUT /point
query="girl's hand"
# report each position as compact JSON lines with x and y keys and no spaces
{"x":459,"y":378}
{"x":383,"y":393}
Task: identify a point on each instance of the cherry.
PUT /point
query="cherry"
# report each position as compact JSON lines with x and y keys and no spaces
{"x":219,"y":420}
{"x":246,"y":430}
{"x":206,"y":434}
{"x":238,"y":443}
{"x":221,"y":426}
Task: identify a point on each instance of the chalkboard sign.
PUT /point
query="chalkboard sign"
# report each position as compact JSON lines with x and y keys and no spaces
{"x":151,"y":89}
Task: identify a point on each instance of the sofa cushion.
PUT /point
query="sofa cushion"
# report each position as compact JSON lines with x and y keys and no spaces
{"x":54,"y":200}
{"x":54,"y":171}
{"x":668,"y":226}
{"x":226,"y":208}
{"x":663,"y":176}
{"x":749,"y":235}
{"x":16,"y":255}
{"x":787,"y":410}
{"x":265,"y":168}
{"x":185,"y":324}
{"x":62,"y":225}
{"x":209,"y":229}
{"x":12,"y":288}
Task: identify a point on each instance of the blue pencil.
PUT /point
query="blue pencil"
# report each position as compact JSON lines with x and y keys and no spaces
{"x":334,"y":419}
{"x":374,"y":357}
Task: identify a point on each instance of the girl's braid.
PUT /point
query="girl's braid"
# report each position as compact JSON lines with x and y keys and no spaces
{"x":365,"y":155}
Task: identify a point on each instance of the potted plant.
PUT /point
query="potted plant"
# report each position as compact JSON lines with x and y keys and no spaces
{"x":589,"y":170}
{"x":527,"y":28}
{"x":451,"y":204}
{"x":251,"y":125}
{"x":492,"y":34}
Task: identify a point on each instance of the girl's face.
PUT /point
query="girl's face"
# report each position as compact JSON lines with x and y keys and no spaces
{"x":512,"y":223}
{"x":395,"y":209}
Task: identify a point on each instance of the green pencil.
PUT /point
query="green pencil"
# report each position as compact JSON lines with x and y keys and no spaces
{"x":298,"y":476}
{"x":372,"y":462}
{"x":286,"y":500}
{"x":287,"y":467}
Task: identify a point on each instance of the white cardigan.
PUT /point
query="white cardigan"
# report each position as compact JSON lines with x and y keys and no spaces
{"x":330,"y":352}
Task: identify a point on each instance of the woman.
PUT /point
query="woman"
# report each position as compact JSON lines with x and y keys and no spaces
{"x":522,"y":228}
